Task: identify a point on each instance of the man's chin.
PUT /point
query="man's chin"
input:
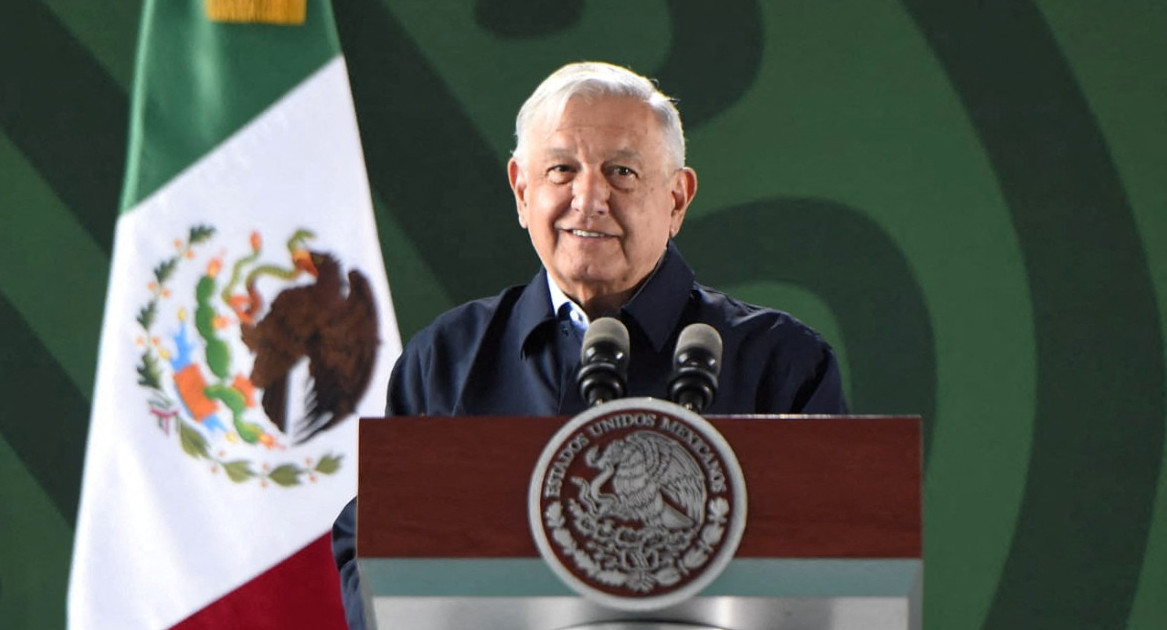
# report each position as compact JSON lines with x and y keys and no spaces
{"x":594,"y":284}
{"x":589,"y":274}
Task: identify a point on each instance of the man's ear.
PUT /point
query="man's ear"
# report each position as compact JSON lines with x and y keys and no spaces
{"x":518,"y":179}
{"x":684,"y":189}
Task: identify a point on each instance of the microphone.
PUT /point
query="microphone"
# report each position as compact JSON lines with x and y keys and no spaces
{"x":696,"y":364}
{"x":603,"y":361}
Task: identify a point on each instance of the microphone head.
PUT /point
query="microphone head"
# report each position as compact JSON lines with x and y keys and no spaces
{"x":607,"y":331}
{"x":696,"y":365}
{"x":603,"y":361}
{"x":701,"y":337}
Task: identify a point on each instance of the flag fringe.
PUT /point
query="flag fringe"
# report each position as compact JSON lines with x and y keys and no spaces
{"x":286,"y":12}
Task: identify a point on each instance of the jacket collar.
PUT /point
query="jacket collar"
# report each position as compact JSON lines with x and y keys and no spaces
{"x":656,"y":308}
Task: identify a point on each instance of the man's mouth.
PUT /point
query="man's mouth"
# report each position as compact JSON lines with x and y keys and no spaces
{"x":586,"y":233}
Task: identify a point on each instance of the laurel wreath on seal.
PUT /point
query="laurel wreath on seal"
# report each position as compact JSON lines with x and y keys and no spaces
{"x":691,"y":559}
{"x":165,"y":409}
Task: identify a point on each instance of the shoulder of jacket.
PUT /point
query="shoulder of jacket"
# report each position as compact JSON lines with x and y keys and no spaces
{"x":467,"y":320}
{"x":751,"y":319}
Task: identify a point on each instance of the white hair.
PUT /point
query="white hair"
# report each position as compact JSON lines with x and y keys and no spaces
{"x":592,"y":79}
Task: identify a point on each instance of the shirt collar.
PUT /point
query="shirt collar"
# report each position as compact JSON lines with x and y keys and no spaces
{"x":656,"y":307}
{"x":575,"y":313}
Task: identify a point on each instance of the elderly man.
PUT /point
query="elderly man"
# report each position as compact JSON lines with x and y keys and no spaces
{"x":601,"y":186}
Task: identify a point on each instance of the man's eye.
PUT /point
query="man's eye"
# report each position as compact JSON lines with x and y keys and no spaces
{"x":622,"y":177}
{"x":559,"y":172}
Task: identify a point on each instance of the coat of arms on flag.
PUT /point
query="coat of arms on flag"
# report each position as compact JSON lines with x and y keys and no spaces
{"x":224,"y":401}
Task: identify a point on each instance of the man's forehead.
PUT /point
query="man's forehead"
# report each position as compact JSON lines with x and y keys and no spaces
{"x":569,"y":150}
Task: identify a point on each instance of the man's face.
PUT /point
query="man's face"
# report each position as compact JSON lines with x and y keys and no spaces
{"x":600,"y":197}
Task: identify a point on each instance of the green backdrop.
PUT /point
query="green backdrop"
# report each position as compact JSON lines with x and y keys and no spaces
{"x":968,"y":199}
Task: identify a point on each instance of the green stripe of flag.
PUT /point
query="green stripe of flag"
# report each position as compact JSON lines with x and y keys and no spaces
{"x":186,"y":105}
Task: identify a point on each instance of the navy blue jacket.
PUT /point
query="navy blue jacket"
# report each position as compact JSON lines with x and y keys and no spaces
{"x":511,"y":355}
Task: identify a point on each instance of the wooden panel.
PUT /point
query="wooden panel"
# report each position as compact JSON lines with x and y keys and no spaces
{"x":818,"y":487}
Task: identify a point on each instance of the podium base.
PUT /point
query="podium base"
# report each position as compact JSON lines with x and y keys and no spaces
{"x":699,"y":613}
{"x":642,"y":625}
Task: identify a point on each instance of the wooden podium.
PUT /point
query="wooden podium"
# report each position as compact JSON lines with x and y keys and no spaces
{"x":832,"y":537}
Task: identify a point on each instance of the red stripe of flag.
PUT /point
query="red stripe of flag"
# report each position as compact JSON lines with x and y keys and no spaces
{"x":300,"y":592}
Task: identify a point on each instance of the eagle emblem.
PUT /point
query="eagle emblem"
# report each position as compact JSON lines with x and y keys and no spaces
{"x":266,"y":350}
{"x":654,"y":481}
{"x":637,"y":503}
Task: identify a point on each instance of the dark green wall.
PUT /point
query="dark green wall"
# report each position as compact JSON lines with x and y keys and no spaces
{"x":967,"y":199}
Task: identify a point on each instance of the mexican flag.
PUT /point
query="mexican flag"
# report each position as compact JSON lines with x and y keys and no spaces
{"x":248,"y":324}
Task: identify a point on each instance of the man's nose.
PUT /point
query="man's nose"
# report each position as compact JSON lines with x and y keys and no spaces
{"x":590,"y":192}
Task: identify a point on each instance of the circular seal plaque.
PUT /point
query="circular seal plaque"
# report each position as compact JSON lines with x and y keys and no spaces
{"x":637,"y":503}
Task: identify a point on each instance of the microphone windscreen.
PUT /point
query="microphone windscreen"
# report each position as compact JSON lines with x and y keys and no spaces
{"x":700,"y":336}
{"x":605,"y":330}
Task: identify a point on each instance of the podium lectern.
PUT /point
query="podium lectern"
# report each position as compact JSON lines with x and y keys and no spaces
{"x":832,"y":539}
